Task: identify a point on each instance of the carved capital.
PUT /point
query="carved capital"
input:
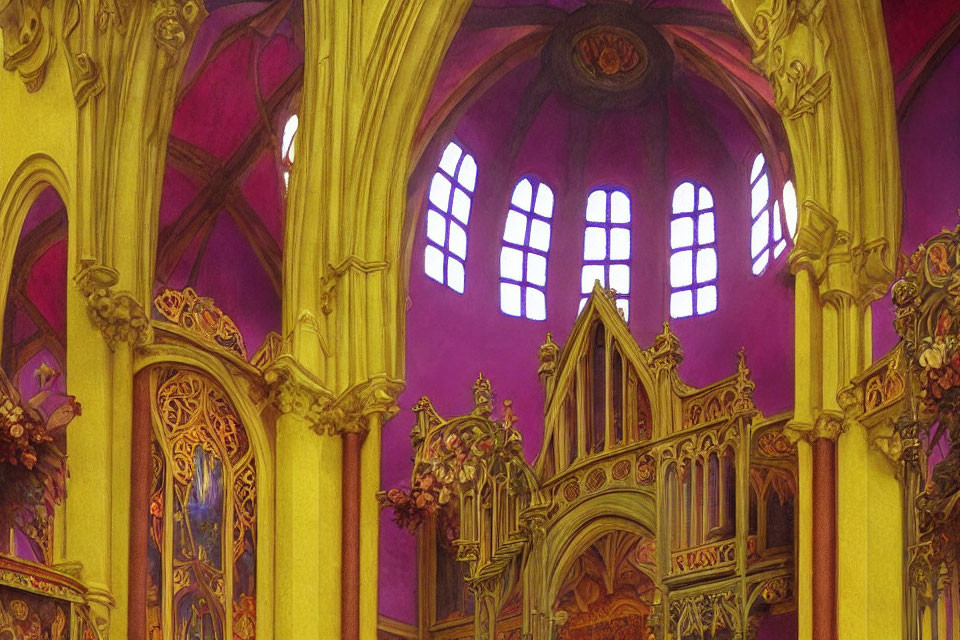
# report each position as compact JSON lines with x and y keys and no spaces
{"x":829,"y":425}
{"x":351,"y":411}
{"x":28,"y":42}
{"x":117,"y":314}
{"x":295,"y":390}
{"x":791,"y":46}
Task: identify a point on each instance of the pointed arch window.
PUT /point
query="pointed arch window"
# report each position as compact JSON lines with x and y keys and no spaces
{"x":448,"y":211}
{"x":606,"y":245}
{"x":523,"y":257}
{"x":767,"y":238}
{"x":693,"y":252}
{"x":288,"y":148}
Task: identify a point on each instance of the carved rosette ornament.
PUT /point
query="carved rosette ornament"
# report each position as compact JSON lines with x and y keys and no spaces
{"x":28,"y":42}
{"x":117,"y":314}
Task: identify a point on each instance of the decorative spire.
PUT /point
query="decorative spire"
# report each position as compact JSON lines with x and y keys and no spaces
{"x":482,"y":397}
{"x":548,"y":356}
{"x":744,"y":385}
{"x":666,"y":352}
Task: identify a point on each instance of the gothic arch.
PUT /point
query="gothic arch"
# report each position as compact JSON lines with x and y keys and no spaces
{"x":571,"y":534}
{"x":259,"y":432}
{"x":35,"y":174}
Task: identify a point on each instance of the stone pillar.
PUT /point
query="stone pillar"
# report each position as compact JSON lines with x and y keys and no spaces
{"x":308,"y":507}
{"x":840,"y":119}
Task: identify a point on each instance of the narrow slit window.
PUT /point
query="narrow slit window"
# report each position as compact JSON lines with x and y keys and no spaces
{"x":288,"y":148}
{"x":526,"y":244}
{"x":606,"y":246}
{"x":448,"y":210}
{"x":693,"y":252}
{"x":768,"y":238}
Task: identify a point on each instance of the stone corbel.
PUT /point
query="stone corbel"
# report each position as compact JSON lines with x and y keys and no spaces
{"x":350,"y":412}
{"x":295,"y":390}
{"x":874,"y":274}
{"x":28,"y":42}
{"x":117,"y":314}
{"x":816,"y":235}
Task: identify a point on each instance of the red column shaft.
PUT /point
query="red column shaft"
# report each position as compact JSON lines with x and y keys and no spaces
{"x":350,"y":577}
{"x":824,"y":539}
{"x":140,"y":467}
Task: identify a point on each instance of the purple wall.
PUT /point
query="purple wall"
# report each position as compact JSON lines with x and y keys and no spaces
{"x":930,"y":166}
{"x":692,"y":132}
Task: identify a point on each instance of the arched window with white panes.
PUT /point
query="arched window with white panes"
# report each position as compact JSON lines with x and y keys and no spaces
{"x":448,"y":211}
{"x":523,"y":257}
{"x":767,"y":238}
{"x":606,"y":245}
{"x":288,"y":148}
{"x":693,"y":252}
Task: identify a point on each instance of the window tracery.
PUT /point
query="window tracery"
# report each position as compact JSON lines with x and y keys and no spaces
{"x":202,"y":545}
{"x":448,"y":211}
{"x":767,"y":237}
{"x":606,"y":246}
{"x":526,"y":244}
{"x":693,"y":252}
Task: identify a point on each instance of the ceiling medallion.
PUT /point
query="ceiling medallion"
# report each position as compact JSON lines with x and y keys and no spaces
{"x":609,"y":55}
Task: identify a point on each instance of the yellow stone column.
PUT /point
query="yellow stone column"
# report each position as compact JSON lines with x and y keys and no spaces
{"x":369,"y":71}
{"x":124,"y":64}
{"x":308,"y":506}
{"x":104,"y":325}
{"x":832,"y":83}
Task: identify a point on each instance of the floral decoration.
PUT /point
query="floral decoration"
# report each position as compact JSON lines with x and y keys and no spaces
{"x":32,"y":466}
{"x":451,"y":458}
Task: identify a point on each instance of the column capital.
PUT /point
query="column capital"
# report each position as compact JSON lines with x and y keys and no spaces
{"x":115,"y":313}
{"x":828,"y":425}
{"x":350,"y":412}
{"x":294,"y":389}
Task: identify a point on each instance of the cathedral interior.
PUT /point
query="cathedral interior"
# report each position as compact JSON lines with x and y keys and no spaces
{"x":480,"y":319}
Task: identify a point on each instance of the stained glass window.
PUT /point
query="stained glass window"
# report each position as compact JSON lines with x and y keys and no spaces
{"x":606,"y":245}
{"x":693,"y":252}
{"x":448,"y":211}
{"x":523,"y":258}
{"x":288,"y":147}
{"x":202,"y":541}
{"x":767,"y":238}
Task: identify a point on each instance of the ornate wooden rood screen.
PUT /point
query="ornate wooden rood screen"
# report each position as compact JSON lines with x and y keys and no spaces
{"x":653,"y":510}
